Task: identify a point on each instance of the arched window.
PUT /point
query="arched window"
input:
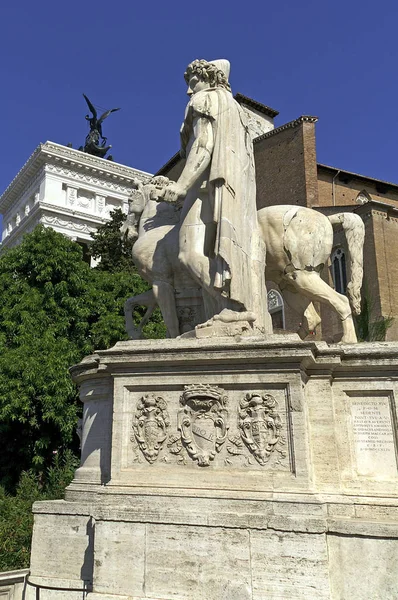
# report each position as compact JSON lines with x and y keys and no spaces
{"x":339,"y":271}
{"x":276,"y":309}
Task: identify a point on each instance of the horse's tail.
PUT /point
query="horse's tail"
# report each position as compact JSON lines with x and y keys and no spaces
{"x":354,"y":230}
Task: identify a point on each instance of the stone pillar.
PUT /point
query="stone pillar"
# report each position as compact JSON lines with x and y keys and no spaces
{"x":97,"y":396}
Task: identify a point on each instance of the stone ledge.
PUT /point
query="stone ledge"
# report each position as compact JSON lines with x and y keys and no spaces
{"x":12,"y":577}
{"x":315,"y":358}
{"x":313,"y":517}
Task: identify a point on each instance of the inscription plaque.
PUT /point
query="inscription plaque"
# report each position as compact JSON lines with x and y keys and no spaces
{"x":373,"y":428}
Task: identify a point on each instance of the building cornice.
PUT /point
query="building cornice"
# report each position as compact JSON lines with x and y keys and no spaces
{"x":377,"y":206}
{"x":290,"y":125}
{"x":261,"y":108}
{"x":368,"y":208}
{"x":348,"y":175}
{"x":53,"y":153}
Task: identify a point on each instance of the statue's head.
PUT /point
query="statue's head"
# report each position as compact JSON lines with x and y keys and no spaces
{"x":203,"y":74}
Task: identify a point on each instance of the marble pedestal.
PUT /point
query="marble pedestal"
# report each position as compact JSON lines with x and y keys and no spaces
{"x":227,"y":469}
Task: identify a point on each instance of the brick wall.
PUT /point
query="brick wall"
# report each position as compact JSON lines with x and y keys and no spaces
{"x":347,"y":186}
{"x":286,"y":171}
{"x":385,"y":296}
{"x":380,"y":267}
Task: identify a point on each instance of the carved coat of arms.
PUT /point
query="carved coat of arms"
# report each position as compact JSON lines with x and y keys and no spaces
{"x":202,"y":421}
{"x":150,"y":425}
{"x":260,"y":425}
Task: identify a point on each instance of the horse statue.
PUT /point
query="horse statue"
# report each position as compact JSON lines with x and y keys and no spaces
{"x":298,"y":244}
{"x":154,"y":227}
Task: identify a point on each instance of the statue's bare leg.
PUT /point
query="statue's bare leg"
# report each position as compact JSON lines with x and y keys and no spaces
{"x":193,"y":255}
{"x":144,"y":299}
{"x":165,"y":297}
{"x":304,"y":308}
{"x":313,"y":287}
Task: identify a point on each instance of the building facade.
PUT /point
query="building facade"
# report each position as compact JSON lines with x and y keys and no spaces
{"x":65,"y":189}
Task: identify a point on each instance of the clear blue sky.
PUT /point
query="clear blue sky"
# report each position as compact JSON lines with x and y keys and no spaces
{"x":336,"y":60}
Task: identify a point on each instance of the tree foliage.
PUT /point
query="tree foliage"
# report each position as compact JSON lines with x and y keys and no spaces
{"x":108,"y":246}
{"x":16,"y":518}
{"x":54,"y":310}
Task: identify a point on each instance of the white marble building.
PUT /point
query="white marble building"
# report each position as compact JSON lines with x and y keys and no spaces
{"x":65,"y":189}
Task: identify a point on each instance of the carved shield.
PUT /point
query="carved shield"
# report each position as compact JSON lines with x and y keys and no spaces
{"x":203,"y":422}
{"x":150,"y":426}
{"x":260,"y":425}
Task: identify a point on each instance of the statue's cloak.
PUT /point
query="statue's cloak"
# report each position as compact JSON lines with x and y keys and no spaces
{"x":232,"y":187}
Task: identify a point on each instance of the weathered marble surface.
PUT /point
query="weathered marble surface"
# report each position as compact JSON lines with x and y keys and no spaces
{"x":309,"y":522}
{"x":12,"y":584}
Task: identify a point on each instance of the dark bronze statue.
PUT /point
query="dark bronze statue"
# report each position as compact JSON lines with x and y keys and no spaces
{"x":95,"y":142}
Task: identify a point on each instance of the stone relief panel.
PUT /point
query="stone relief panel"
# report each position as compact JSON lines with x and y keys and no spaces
{"x":150,"y":425}
{"x":71,"y":195}
{"x":373,"y":433}
{"x":260,"y":426}
{"x":205,"y":425}
{"x":202,"y":422}
{"x":85,"y":199}
{"x":100,"y":202}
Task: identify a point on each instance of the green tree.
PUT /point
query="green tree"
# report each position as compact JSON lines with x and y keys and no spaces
{"x":115,"y":257}
{"x":44,"y":328}
{"x":108,"y":246}
{"x":16,"y":518}
{"x":54,"y":310}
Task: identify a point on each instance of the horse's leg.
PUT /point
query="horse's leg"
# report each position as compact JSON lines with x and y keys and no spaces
{"x":144,"y":299}
{"x":165,"y":297}
{"x":304,"y":308}
{"x":310,"y":284}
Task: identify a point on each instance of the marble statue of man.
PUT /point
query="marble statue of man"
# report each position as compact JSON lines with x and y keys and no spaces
{"x":218,"y":241}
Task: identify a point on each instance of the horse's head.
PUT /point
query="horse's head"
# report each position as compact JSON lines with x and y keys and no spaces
{"x":143,"y":196}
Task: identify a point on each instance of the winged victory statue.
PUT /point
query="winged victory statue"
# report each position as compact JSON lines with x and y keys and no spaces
{"x":96,"y":143}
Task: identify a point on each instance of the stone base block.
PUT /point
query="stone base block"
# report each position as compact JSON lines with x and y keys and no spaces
{"x":161,"y":547}
{"x":229,"y":469}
